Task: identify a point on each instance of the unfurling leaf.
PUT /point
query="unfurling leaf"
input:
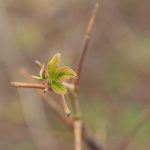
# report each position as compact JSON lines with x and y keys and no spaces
{"x":37,"y":78}
{"x":52,"y":65}
{"x":58,"y":88}
{"x":64,"y":73}
{"x":55,"y":75}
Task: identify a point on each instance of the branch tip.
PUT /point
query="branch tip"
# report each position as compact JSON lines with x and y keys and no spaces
{"x":85,"y":44}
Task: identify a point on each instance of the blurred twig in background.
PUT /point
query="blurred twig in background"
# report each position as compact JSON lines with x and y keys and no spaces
{"x":142,"y":119}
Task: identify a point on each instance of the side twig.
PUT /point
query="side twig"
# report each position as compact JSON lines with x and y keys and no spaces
{"x":66,"y":109}
{"x":28,"y":85}
{"x":86,"y":43}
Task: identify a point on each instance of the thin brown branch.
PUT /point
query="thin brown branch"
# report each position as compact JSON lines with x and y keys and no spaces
{"x":85,"y":44}
{"x":37,"y":85}
{"x":54,"y":107}
{"x":77,"y":122}
{"x":127,"y":140}
{"x":65,"y":106}
{"x":77,"y":125}
{"x":28,"y":85}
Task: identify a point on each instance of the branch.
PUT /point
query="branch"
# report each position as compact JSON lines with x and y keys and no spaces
{"x":77,"y":122}
{"x":65,"y":106}
{"x":38,"y":86}
{"x":77,"y":125}
{"x":28,"y":85}
{"x":86,"y":43}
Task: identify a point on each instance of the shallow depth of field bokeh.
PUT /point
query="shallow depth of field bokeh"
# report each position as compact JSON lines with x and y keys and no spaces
{"x":115,"y":83}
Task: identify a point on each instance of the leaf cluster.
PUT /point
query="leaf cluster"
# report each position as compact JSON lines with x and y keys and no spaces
{"x":56,"y":75}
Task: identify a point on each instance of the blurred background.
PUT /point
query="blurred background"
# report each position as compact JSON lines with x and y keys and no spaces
{"x":115,"y":84}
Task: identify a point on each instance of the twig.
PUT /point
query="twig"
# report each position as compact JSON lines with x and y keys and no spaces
{"x":28,"y":85}
{"x":78,"y":130}
{"x":37,"y":85}
{"x":54,"y":107}
{"x":77,"y":114}
{"x":77,"y":125}
{"x":65,"y":106}
{"x":85,"y":43}
{"x":127,"y":140}
{"x":40,"y":86}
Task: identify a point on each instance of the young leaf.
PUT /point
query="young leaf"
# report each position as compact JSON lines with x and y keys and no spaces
{"x":37,"y":78}
{"x":58,"y":88}
{"x":52,"y":65}
{"x":64,"y":73}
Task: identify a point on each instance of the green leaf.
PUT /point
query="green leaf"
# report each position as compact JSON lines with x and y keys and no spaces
{"x":58,"y":88}
{"x":64,"y":73}
{"x":37,"y":78}
{"x":52,"y":65}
